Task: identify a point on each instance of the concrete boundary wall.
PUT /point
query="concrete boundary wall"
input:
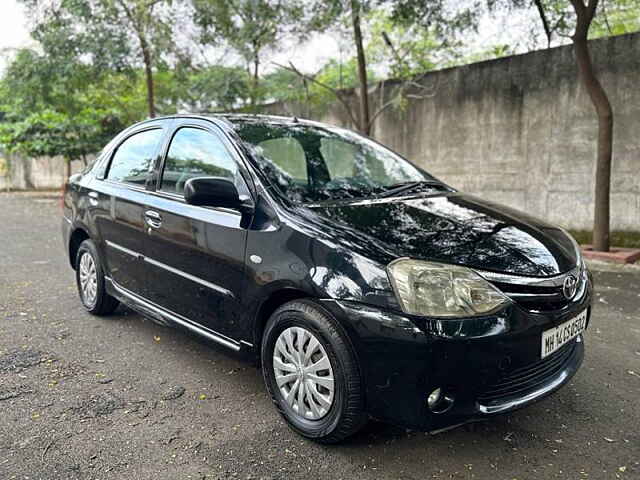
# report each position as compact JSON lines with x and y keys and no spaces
{"x":41,"y":173}
{"x":521,"y":130}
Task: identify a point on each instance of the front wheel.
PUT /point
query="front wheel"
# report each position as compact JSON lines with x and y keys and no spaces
{"x":312,"y":373}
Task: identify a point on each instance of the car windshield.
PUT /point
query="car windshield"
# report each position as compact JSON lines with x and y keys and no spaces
{"x":310,"y":163}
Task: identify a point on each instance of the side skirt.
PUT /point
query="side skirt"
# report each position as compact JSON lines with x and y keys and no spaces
{"x":167,"y":318}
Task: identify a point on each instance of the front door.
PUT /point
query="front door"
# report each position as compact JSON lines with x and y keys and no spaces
{"x":196,"y":254}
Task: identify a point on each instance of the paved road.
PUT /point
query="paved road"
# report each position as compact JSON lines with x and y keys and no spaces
{"x":120,"y":397}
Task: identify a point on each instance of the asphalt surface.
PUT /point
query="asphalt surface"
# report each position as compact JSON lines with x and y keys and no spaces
{"x":121,"y":397}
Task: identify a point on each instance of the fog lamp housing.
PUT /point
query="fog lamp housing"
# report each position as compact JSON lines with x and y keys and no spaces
{"x":439,"y":400}
{"x":434,"y":398}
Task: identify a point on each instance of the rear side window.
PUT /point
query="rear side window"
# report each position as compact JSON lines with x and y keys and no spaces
{"x":195,"y":153}
{"x":131,"y":161}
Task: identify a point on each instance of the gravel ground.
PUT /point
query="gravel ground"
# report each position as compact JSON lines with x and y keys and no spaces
{"x":121,"y":397}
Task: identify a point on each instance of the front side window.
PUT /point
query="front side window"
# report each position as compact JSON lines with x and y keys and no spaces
{"x":310,"y":163}
{"x":195,"y":153}
{"x":131,"y":161}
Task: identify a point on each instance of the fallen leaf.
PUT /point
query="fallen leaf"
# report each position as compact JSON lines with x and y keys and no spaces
{"x":156,"y":338}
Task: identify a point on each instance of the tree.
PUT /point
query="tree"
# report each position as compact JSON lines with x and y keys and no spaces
{"x":50,"y":108}
{"x":558,"y":18}
{"x":433,"y":17}
{"x":107,"y":34}
{"x":49,"y":133}
{"x":285,"y":86}
{"x":581,"y":16}
{"x":584,"y":16}
{"x":142,"y":22}
{"x":616,"y":18}
{"x":364,"y":118}
{"x":252,"y":28}
{"x":217,"y":88}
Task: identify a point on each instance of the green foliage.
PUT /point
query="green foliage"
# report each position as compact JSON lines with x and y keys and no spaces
{"x":252,"y":28}
{"x":284,"y":85}
{"x":405,"y":50}
{"x":616,"y":18}
{"x":442,"y":18}
{"x":613,"y":17}
{"x":51,"y":108}
{"x":217,"y":88}
{"x":49,"y":133}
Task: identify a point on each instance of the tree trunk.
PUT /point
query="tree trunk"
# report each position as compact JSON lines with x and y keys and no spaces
{"x":67,"y":171}
{"x":255,"y":82}
{"x":146,"y":55}
{"x":545,"y":22}
{"x":364,"y":126}
{"x":604,"y":111}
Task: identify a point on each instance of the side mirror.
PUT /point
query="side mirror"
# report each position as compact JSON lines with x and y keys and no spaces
{"x":215,"y":192}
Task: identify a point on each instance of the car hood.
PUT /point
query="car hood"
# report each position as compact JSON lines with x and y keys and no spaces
{"x":450,"y":228}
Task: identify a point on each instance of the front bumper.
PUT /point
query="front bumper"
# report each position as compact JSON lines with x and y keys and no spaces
{"x":489,"y":366}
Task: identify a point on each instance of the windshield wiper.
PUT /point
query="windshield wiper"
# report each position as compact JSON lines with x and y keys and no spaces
{"x":407,"y":186}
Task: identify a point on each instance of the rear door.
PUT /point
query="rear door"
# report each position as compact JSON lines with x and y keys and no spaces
{"x":118,"y":205}
{"x":197,"y":253}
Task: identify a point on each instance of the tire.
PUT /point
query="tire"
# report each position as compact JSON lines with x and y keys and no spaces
{"x":313,"y":418}
{"x":95,"y":299}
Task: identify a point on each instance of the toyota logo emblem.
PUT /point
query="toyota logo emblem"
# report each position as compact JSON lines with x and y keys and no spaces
{"x":569,"y":287}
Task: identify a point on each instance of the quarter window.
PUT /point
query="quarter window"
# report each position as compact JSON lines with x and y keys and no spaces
{"x":131,"y":161}
{"x":195,"y":153}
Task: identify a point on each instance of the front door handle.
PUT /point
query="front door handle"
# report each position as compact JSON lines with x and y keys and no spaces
{"x":153,"y":218}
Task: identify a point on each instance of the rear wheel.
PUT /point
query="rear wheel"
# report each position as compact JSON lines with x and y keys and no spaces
{"x":312,"y":373}
{"x":90,"y":281}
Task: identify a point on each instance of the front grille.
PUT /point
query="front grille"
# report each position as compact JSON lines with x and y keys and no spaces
{"x":529,"y":377}
{"x":539,"y":295}
{"x":535,"y":298}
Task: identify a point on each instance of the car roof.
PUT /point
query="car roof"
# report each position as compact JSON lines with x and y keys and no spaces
{"x":229,"y":119}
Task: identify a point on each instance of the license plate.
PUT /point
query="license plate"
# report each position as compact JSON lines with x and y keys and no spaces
{"x":556,"y":337}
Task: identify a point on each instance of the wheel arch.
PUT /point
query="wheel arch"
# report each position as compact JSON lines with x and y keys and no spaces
{"x":270,"y":305}
{"x":78,"y":236}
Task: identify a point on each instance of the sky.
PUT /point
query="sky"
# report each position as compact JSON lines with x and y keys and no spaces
{"x":13,"y":29}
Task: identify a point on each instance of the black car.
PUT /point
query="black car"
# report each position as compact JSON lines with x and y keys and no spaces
{"x":364,"y":286}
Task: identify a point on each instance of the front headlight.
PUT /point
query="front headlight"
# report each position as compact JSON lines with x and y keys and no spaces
{"x":439,"y":290}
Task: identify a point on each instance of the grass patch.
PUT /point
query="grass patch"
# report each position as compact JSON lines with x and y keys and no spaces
{"x":618,"y":239}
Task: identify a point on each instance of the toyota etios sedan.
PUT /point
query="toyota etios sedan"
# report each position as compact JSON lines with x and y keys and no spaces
{"x":364,"y":286}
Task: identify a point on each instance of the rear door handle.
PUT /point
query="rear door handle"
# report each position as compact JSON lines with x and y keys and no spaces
{"x":93,"y":198}
{"x":153,"y":218}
